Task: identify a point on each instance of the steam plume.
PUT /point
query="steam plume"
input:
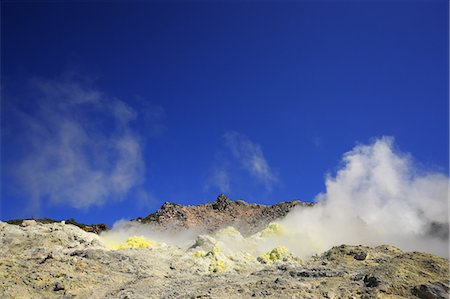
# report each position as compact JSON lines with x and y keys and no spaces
{"x":377,"y":197}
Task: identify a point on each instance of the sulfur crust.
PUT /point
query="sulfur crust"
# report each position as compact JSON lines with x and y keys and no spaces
{"x":273,"y":229}
{"x":218,"y":266}
{"x":134,"y":242}
{"x":199,"y":253}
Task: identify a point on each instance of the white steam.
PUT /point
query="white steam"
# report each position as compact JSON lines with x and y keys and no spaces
{"x":124,"y":229}
{"x":377,"y":197}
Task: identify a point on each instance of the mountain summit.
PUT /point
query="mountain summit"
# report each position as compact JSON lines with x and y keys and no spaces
{"x":247,"y":217}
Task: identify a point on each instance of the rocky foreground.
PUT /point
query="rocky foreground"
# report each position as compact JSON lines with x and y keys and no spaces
{"x":51,"y":259}
{"x":62,"y":261}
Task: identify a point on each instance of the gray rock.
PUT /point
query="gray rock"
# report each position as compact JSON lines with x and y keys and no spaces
{"x":282,"y":268}
{"x":30,"y":222}
{"x":261,"y":260}
{"x":222,"y":203}
{"x":431,"y":291}
{"x":358,"y":276}
{"x":360,"y":256}
{"x":58,"y":287}
{"x":371,"y":281}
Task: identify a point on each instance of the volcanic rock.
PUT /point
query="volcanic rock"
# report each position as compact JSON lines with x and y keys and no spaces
{"x":209,"y":217}
{"x":57,"y":260}
{"x":432,"y":290}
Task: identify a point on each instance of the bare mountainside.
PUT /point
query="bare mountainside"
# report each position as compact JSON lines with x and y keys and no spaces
{"x":248,"y":218}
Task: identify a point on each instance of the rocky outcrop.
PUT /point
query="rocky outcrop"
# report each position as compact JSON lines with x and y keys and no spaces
{"x":248,"y":218}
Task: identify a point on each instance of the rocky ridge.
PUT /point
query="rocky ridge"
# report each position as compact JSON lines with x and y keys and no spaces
{"x":248,"y":218}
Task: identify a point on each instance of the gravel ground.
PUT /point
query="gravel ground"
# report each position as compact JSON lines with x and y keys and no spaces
{"x":62,"y":261}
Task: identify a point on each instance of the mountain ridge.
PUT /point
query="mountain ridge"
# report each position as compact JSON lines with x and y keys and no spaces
{"x":208,"y":217}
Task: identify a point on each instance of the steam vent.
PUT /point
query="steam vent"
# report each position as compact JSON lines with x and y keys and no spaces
{"x":222,"y":249}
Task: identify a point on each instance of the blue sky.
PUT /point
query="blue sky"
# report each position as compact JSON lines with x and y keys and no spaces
{"x":111,"y":109}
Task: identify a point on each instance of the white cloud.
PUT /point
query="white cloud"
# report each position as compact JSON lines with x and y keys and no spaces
{"x":251,"y":158}
{"x":377,"y":197}
{"x":221,"y":179}
{"x":82,"y":150}
{"x":145,"y":200}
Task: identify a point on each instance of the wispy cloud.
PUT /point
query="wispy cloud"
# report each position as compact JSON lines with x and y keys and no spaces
{"x":82,"y":149}
{"x":251,"y":158}
{"x":245,"y":155}
{"x":145,"y":199}
{"x":220,"y":179}
{"x":241,"y":167}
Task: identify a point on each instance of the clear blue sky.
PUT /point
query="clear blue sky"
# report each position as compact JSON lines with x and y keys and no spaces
{"x":110,"y":109}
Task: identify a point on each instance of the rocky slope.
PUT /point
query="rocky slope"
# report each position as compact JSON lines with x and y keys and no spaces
{"x":209,"y":217}
{"x":93,"y":228}
{"x":59,"y":260}
{"x":248,"y":218}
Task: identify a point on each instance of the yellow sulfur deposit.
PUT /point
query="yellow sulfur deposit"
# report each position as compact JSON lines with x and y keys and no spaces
{"x":276,"y":254}
{"x":273,"y":229}
{"x":134,"y":242}
{"x":228,"y":232}
{"x":218,"y":266}
{"x":215,"y":250}
{"x":199,"y":253}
